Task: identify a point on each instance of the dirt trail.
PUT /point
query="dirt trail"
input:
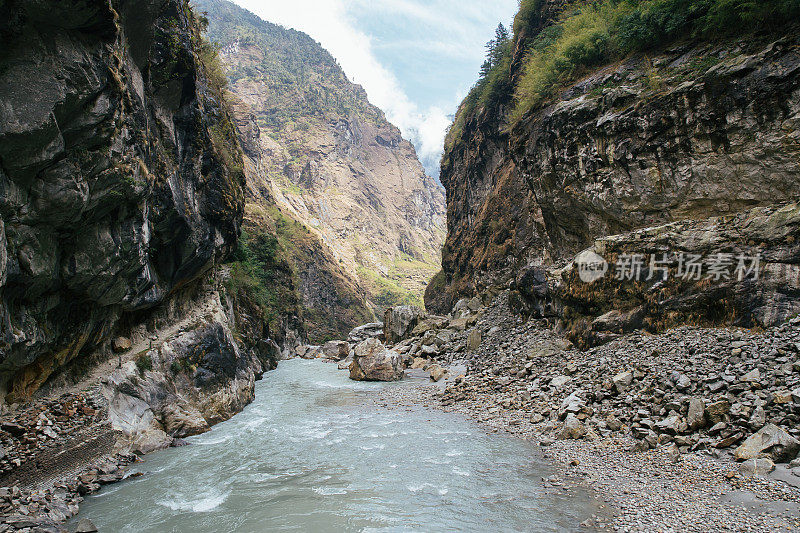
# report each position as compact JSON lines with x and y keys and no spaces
{"x":154,"y":340}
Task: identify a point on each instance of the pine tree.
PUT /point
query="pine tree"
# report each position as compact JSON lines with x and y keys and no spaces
{"x":495,"y":49}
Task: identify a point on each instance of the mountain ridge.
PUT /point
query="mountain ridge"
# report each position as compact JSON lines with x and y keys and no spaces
{"x":330,"y":160}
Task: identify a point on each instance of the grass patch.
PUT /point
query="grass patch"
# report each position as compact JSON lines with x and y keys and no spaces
{"x":599,"y":32}
{"x":387,"y":292}
{"x":144,"y":363}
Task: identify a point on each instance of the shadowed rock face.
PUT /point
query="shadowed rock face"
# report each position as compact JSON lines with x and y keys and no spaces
{"x":120,"y":177}
{"x":703,"y":135}
{"x":200,"y":376}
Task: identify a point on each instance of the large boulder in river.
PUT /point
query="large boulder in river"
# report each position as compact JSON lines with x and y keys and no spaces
{"x":373,"y":362}
{"x":399,"y":322}
{"x":336,"y":350}
{"x":365,"y":331}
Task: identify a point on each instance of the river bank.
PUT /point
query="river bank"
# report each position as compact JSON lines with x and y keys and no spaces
{"x":522,"y":378}
{"x":177,"y":375}
{"x":618,"y":423}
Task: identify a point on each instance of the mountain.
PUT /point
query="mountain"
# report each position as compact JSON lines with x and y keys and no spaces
{"x":328,"y":162}
{"x":633,"y":129}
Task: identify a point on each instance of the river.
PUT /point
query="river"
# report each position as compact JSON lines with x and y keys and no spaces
{"x":316,"y":452}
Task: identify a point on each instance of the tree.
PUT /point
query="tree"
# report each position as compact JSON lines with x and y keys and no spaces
{"x":495,"y":49}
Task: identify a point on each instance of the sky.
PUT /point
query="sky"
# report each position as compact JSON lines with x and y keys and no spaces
{"x":416,"y":59}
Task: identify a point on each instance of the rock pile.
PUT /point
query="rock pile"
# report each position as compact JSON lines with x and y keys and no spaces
{"x":695,"y":388}
{"x":46,"y":510}
{"x":42,"y":425}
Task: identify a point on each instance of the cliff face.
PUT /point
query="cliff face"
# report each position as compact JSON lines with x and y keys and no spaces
{"x":700,"y":134}
{"x":120,"y":176}
{"x":331,"y":161}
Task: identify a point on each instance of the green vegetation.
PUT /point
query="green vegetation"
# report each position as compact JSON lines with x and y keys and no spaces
{"x":221,"y":131}
{"x":274,"y":253}
{"x":494,"y":82}
{"x":176,"y":367}
{"x":260,"y":272}
{"x":387,"y":292}
{"x":144,"y":363}
{"x":599,"y":32}
{"x":592,"y":33}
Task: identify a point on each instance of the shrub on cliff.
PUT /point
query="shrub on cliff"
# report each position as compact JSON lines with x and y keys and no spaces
{"x":593,"y":33}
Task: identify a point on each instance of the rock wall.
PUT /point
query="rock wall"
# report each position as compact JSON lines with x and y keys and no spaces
{"x":327,"y":296}
{"x":199,"y":375}
{"x":120,"y":180}
{"x":696,"y":132}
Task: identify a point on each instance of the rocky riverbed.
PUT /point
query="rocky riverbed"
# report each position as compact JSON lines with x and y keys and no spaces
{"x":691,"y":430}
{"x":695,"y":429}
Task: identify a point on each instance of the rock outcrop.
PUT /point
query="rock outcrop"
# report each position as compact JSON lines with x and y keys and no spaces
{"x":690,"y":149}
{"x":399,"y":322}
{"x":121,"y":178}
{"x":199,"y":376}
{"x":365,"y":331}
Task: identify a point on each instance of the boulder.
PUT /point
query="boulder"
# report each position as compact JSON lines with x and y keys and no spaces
{"x":182,"y":420}
{"x":301,"y":350}
{"x":695,"y":419}
{"x":475,"y":304}
{"x":622,"y":381}
{"x":436,"y":372}
{"x":462,"y":323}
{"x":309,"y":352}
{"x":419,"y":362}
{"x":573,"y":428}
{"x":769,"y":440}
{"x":618,"y":321}
{"x":760,"y":466}
{"x":373,"y":362}
{"x":782,"y":397}
{"x":683,"y":382}
{"x":672,"y":425}
{"x":431,"y":323}
{"x":717,"y":411}
{"x":85,"y":526}
{"x":758,"y":418}
{"x":754,"y":376}
{"x":336,"y":350}
{"x":399,"y":322}
{"x":461,"y":308}
{"x":571,"y":404}
{"x":474,"y":339}
{"x":365,"y":331}
{"x":121,"y":344}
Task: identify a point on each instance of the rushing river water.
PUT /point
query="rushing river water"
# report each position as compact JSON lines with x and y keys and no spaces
{"x":314,"y":452}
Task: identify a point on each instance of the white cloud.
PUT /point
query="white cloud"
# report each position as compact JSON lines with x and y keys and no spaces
{"x":330,"y":23}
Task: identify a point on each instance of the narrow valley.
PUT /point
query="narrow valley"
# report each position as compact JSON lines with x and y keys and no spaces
{"x":233,"y":299}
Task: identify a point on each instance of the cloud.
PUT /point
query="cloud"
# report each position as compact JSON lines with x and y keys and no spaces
{"x":333,"y":24}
